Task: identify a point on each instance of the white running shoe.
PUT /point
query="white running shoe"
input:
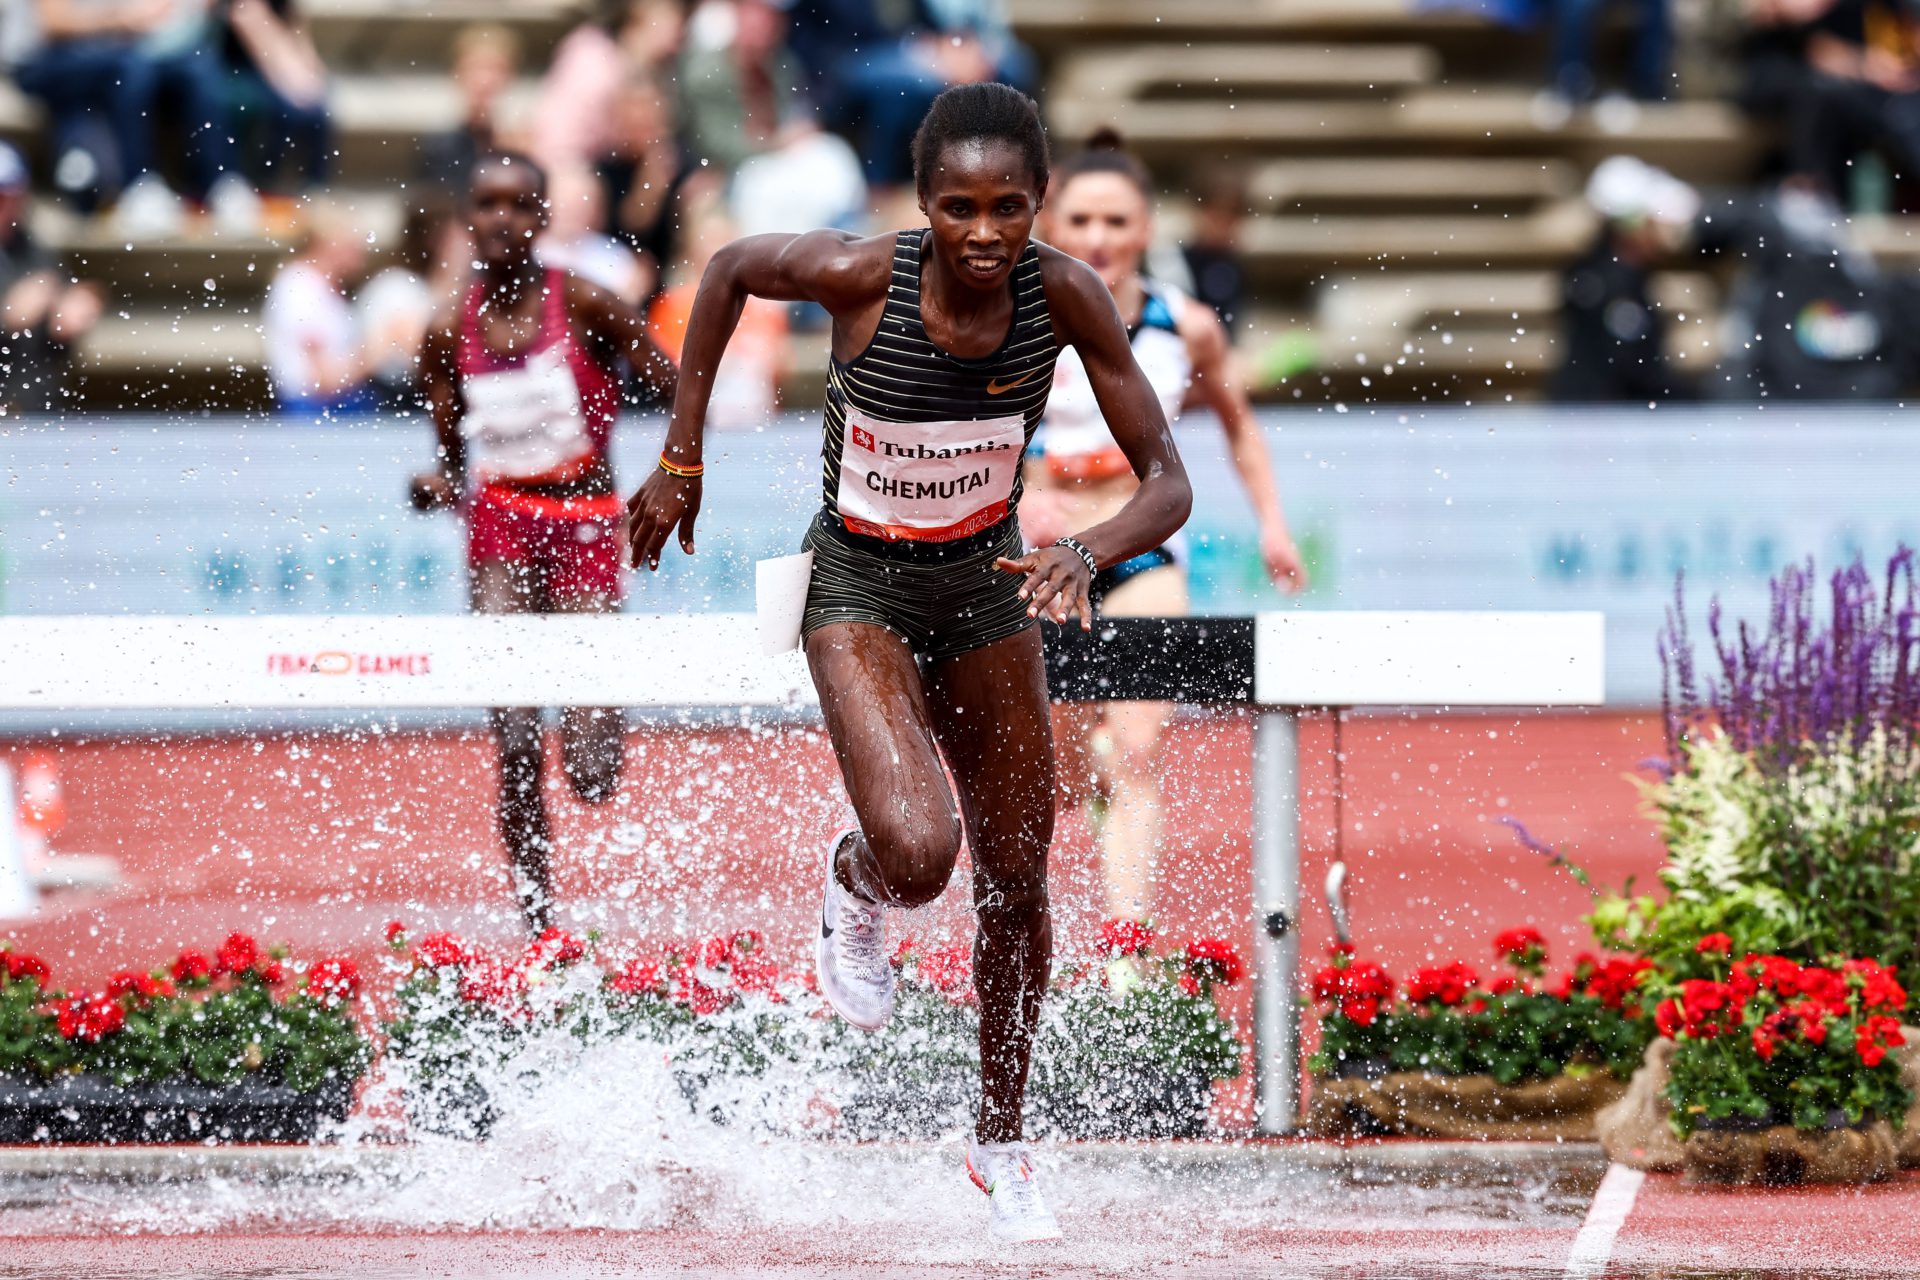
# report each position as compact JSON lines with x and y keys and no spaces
{"x":148,"y":210}
{"x":1005,"y":1171}
{"x":234,"y":206}
{"x":855,"y":975}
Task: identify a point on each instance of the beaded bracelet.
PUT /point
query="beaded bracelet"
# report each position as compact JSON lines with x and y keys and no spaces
{"x":685,"y":473}
{"x":1080,"y":549}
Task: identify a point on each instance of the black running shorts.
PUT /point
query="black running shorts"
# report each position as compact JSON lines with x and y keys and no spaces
{"x":946,"y":599}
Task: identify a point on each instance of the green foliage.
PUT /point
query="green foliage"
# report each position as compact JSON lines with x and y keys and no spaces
{"x":1815,"y":855}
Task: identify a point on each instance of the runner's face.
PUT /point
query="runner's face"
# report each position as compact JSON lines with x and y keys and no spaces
{"x":508,"y":209}
{"x":981,"y":200}
{"x":1103,"y":220}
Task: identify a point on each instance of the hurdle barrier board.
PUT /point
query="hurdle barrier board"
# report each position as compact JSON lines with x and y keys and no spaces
{"x":1277,"y":664}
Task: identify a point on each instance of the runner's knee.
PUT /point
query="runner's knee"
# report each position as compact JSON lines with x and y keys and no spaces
{"x":915,"y":857}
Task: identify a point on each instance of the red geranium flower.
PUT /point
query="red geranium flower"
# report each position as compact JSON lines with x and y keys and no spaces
{"x":1825,"y":987}
{"x":1125,"y":937}
{"x":1874,"y":1036}
{"x":1214,"y":960}
{"x":1522,"y":947}
{"x":237,"y":954}
{"x":271,"y":971}
{"x":396,"y":934}
{"x":1709,"y":1008}
{"x":91,"y":1018}
{"x":698,"y":996}
{"x":20,"y":966}
{"x":124,"y":983}
{"x":1189,"y":985}
{"x":949,"y":971}
{"x":192,"y":966}
{"x":443,"y":950}
{"x":1714,"y":944}
{"x":1611,"y":981}
{"x":1357,"y":989}
{"x":1445,"y":984}
{"x":1879,"y":988}
{"x":1668,"y":1019}
{"x":554,"y":947}
{"x":490,"y":983}
{"x":638,"y":977}
{"x":336,"y":978}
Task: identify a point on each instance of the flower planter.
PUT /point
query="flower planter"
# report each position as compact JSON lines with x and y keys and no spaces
{"x":1410,"y":1104}
{"x":1781,"y":1155}
{"x":83,"y":1109}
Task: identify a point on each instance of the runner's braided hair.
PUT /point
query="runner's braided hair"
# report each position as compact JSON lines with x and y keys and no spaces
{"x":980,"y":112}
{"x":1105,"y":152}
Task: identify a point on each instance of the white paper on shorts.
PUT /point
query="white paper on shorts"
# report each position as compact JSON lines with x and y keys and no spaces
{"x":780,"y":600}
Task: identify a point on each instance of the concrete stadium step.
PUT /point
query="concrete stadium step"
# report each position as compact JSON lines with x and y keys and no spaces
{"x":379,"y":120}
{"x":1700,"y":141}
{"x":1409,"y":184}
{"x":366,"y":34}
{"x":1244,"y":73}
{"x":1282,"y":251}
{"x":202,"y":265}
{"x":1070,"y":24}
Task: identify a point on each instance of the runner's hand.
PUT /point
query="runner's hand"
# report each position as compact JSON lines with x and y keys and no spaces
{"x":1058,"y":585}
{"x":661,"y":505}
{"x":431,"y":490}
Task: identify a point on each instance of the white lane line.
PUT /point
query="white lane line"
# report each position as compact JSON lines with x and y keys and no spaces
{"x":1593,"y":1247}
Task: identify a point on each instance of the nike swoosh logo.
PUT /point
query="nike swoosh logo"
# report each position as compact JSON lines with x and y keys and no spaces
{"x":997,"y":387}
{"x":826,"y":930}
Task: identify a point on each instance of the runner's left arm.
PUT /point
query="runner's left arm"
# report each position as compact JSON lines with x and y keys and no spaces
{"x":1085,"y":318}
{"x":440,"y":378}
{"x":1217,"y":386}
{"x":614,"y":329}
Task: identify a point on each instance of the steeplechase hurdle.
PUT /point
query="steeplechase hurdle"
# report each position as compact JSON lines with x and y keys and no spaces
{"x":1278,"y":664}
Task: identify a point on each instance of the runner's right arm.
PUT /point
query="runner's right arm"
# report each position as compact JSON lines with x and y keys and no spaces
{"x":845,"y":274}
{"x":441,"y":487}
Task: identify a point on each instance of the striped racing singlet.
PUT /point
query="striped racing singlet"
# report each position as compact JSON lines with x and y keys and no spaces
{"x":922,"y":446}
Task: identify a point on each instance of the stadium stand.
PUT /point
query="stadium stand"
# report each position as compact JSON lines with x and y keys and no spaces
{"x":1408,"y":202}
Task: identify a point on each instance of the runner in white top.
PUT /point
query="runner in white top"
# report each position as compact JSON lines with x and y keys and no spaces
{"x":1099,"y":210}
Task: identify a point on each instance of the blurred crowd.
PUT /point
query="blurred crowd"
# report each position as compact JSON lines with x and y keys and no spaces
{"x":670,"y":126}
{"x":666,"y":128}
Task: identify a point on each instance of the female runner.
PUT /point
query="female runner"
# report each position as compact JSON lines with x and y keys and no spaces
{"x":1099,"y":211}
{"x":919,"y":621}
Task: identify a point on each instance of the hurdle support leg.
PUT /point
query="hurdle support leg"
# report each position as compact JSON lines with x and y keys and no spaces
{"x":1276,"y":905}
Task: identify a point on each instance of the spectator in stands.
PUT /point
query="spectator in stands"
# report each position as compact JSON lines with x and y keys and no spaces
{"x":874,"y":68}
{"x":1574,"y":81}
{"x":1843,"y":76}
{"x":314,"y":357}
{"x":103,"y":68}
{"x":486,"y":57}
{"x":1811,"y":316}
{"x":572,"y":123}
{"x":1212,"y":250}
{"x":46,"y":311}
{"x":393,"y":310}
{"x":574,"y":241}
{"x":746,"y":387}
{"x":744,"y":114}
{"x":1614,"y":335}
{"x":277,"y":91}
{"x":648,"y":176}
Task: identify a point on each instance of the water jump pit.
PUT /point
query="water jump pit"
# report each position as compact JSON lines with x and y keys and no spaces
{"x":556,"y":1203}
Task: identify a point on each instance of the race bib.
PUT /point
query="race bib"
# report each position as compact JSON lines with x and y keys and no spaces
{"x":928,"y":481}
{"x":525,"y":423}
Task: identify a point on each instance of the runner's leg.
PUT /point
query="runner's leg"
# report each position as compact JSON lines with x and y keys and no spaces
{"x":1130,"y":837}
{"x":990,"y":708}
{"x":499,"y":586}
{"x":592,"y":739}
{"x":876,"y":713}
